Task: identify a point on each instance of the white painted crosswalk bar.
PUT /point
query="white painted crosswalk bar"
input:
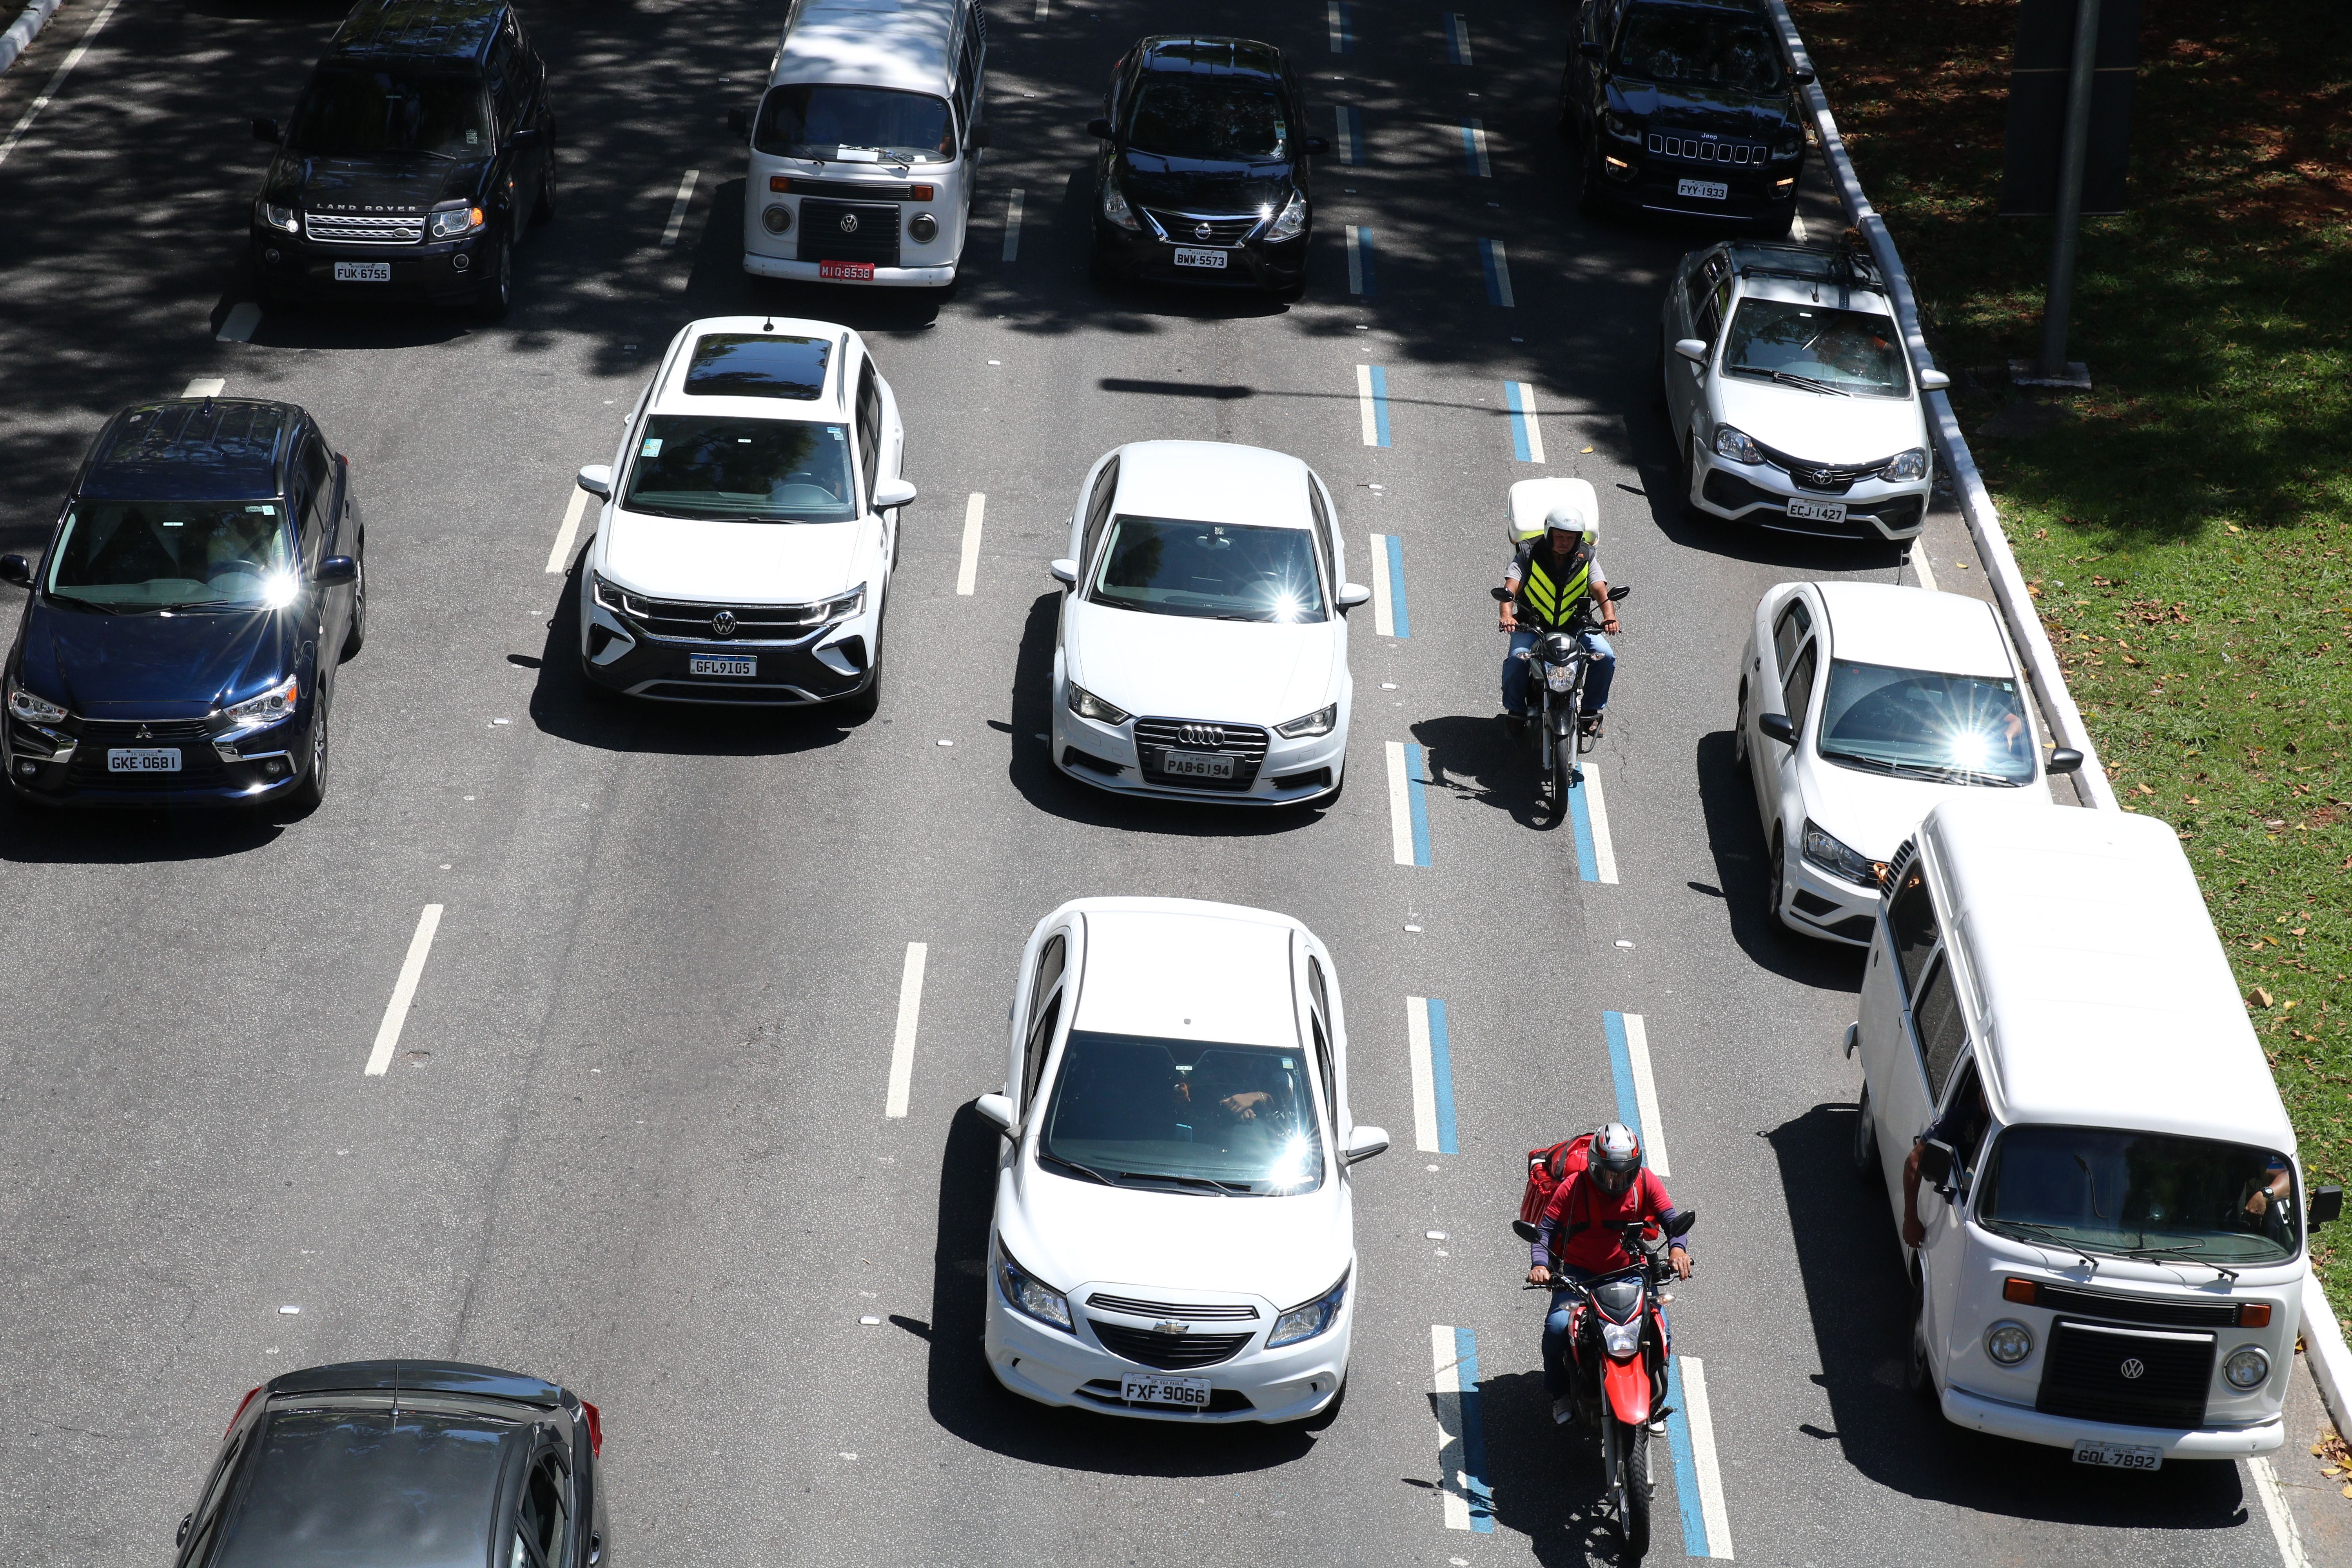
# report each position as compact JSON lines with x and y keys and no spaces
{"x":678,"y":209}
{"x":902,"y":1044}
{"x":558,"y":558}
{"x":1596,"y":806}
{"x":968,"y":569}
{"x":403,"y":991}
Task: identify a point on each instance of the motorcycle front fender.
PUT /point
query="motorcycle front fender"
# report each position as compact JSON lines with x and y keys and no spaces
{"x":1626,"y":1385}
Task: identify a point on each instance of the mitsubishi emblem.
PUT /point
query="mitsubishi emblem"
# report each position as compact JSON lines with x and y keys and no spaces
{"x":1201,"y":231}
{"x":144,"y":733}
{"x":723,"y":624}
{"x":849,"y":223}
{"x":2133,"y":1367}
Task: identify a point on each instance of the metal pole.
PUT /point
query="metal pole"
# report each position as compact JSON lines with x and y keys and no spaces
{"x":2073,"y":153}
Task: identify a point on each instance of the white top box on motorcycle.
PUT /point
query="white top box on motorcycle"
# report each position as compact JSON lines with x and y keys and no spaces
{"x":1532,"y":500}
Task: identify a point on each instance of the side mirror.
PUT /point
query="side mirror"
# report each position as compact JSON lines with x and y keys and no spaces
{"x":1066,"y":572}
{"x":597,"y":480}
{"x":1524,"y":1229}
{"x":1354,"y":593}
{"x":17,"y":569}
{"x":1680,"y":1224}
{"x":529,"y":136}
{"x":1776,"y":727}
{"x":1499,"y":593}
{"x":739,"y":121}
{"x":335,"y":571}
{"x":267,"y":130}
{"x":1363,"y":1142}
{"x":982,"y":138}
{"x":2326,"y":1206}
{"x":1319,"y":144}
{"x":2065,"y":760}
{"x":595,"y":1549}
{"x":1098,"y":128}
{"x":1934,"y":380}
{"x":997,"y":1111}
{"x":180,"y":1537}
{"x":1619,"y":591}
{"x":892,"y":493}
{"x":1803,"y":75}
{"x":1935,"y":1162}
{"x":1593,"y":51}
{"x":1692,"y":349}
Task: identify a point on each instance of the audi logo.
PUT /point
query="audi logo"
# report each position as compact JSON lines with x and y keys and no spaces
{"x":1209,"y":735}
{"x":2133,"y":1367}
{"x":849,"y":223}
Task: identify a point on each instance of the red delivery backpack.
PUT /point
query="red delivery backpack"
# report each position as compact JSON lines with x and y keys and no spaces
{"x":1547,"y":1169}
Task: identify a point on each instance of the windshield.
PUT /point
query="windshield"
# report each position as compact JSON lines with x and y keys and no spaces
{"x":753,"y":470}
{"x":1954,"y":728}
{"x":1211,"y":1117}
{"x":1706,"y":48}
{"x":808,"y":120}
{"x":1835,"y":350}
{"x":360,"y":114}
{"x":167,"y":554}
{"x":1219,"y":570}
{"x":1214,"y":121}
{"x":2139,"y":1192}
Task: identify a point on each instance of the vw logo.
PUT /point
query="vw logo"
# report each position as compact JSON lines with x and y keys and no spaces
{"x":722,"y":624}
{"x":1210,"y":735}
{"x":2133,"y":1367}
{"x":1171,"y":1328}
{"x":849,"y":223}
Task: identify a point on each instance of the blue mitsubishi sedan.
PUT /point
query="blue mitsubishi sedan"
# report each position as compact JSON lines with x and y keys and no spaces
{"x":181,"y":640}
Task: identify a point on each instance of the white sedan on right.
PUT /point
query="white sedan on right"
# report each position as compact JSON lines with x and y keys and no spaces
{"x":1861,"y":706}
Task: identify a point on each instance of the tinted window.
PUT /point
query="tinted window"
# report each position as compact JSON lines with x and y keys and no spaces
{"x":1964,"y":1121}
{"x":758,"y":364}
{"x":806,"y":121}
{"x":1183,"y":1115}
{"x":317,"y":491}
{"x":203,"y":1534}
{"x":1789,"y":630}
{"x":343,"y":1486}
{"x":869,"y":425}
{"x":1952,"y":729}
{"x":1711,"y":49}
{"x":757,"y":470}
{"x":1323,"y":1068}
{"x":1218,"y":570}
{"x":1943,"y":1032}
{"x":1214,"y":119}
{"x":352,"y":113}
{"x":1911,"y":917}
{"x":1816,"y":348}
{"x":153,"y":554}
{"x":1098,"y":510}
{"x":548,"y":1514}
{"x":1797,"y":690}
{"x":1039,"y":1045}
{"x":2158,"y":1195}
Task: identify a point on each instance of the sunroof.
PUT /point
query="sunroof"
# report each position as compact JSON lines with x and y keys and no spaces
{"x":758,"y":364}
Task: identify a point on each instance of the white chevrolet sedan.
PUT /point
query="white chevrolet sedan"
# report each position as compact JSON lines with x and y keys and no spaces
{"x":1861,"y":706}
{"x":1174,"y":1234}
{"x":1204,"y":648}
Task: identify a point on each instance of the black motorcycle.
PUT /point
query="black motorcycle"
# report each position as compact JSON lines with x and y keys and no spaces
{"x":1557,"y":667}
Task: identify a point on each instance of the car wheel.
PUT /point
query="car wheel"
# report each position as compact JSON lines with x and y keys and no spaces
{"x":545,"y":208}
{"x":1918,"y":1377}
{"x":1778,"y":226}
{"x":1564,"y":118}
{"x":1739,"y":733}
{"x":1865,"y":1139}
{"x":311,"y":792}
{"x":498,"y":294}
{"x":1686,"y":478}
{"x":1778,"y":894}
{"x":356,"y":634}
{"x":1587,"y":175}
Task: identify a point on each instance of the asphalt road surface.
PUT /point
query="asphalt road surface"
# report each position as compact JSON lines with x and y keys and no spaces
{"x":634,"y":1136}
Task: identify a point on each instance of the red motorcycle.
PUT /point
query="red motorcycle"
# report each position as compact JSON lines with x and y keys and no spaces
{"x":1617,"y":1375}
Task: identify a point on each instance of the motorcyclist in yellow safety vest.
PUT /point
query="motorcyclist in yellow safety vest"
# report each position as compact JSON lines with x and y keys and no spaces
{"x":1545,"y":588}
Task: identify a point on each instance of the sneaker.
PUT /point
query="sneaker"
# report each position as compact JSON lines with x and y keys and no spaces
{"x":1563,"y":1410}
{"x":1592,"y":725}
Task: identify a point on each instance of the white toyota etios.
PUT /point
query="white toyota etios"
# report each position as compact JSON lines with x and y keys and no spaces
{"x":1174,"y":1234}
{"x":1202,"y":652}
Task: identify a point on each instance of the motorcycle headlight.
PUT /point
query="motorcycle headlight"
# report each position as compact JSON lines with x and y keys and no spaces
{"x":456,"y":223}
{"x":1319,"y":723}
{"x":1293,"y":221}
{"x":32,"y":710}
{"x":1030,"y":1295}
{"x":1621,"y":1339}
{"x":278,"y":217}
{"x":1837,"y":858}
{"x":1087,"y":705}
{"x":1910,"y":465}
{"x":2247,"y":1369}
{"x":270,"y":708}
{"x":1304,"y":1323}
{"x":2008,"y":1342}
{"x":1732,"y":442}
{"x":1114,"y":205}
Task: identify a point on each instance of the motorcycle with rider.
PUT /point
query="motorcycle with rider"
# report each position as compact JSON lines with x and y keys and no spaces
{"x":1559,"y":611}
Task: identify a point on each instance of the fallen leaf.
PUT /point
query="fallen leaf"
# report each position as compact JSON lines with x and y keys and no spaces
{"x":2143,"y":789}
{"x":2259,"y":997}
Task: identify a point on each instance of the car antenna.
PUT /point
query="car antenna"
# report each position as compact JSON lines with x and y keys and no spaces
{"x":770,"y":324}
{"x":396,"y":1394}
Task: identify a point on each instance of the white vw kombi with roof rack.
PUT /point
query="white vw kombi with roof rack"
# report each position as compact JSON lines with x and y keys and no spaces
{"x":866,"y":142}
{"x":2114,"y":1218}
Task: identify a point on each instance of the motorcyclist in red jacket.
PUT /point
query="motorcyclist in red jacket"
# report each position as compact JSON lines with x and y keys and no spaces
{"x":1575,"y":1242}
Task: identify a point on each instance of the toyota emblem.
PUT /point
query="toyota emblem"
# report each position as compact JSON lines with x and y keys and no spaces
{"x":849,"y":223}
{"x":722,"y":624}
{"x":2133,"y":1367}
{"x":1201,"y":231}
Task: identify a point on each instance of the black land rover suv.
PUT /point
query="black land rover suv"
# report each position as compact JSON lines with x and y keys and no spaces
{"x":415,"y":155}
{"x":1684,"y":106}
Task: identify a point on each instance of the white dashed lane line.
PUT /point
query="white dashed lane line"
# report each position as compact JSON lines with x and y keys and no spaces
{"x":1349,"y":143}
{"x":968,"y":569}
{"x":1457,"y":38}
{"x":1526,"y":437}
{"x":205,"y":387}
{"x":1588,"y":816}
{"x":1431,"y":1047}
{"x":1629,"y":1063}
{"x":1373,"y":404}
{"x":403,"y":991}
{"x":1013,"y":221}
{"x":1389,"y":617}
{"x":1461,"y":1430}
{"x":1359,"y":261}
{"x":1497,"y":265}
{"x":679,"y":208}
{"x":902,"y":1044}
{"x":558,"y":558}
{"x":1474,"y":148}
{"x":1341,"y":18}
{"x":57,"y":82}
{"x":1408,"y":804}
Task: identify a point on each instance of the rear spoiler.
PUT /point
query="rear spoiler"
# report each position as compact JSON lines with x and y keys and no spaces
{"x":424,"y":1377}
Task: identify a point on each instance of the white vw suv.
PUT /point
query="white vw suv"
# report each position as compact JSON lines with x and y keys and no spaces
{"x":1174,"y":1234}
{"x":1788,"y":393}
{"x":750,"y":521}
{"x":1203,"y":649}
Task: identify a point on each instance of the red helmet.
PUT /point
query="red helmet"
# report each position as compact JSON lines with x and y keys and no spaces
{"x":1616,"y":1157}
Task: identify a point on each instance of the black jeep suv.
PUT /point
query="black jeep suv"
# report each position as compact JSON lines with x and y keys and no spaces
{"x":1684,"y":106}
{"x":414,"y":157}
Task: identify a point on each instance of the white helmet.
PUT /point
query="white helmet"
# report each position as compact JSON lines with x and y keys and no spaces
{"x":1568,"y":516}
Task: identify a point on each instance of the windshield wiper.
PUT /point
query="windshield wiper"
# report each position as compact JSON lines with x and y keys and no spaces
{"x":1190,"y":1184}
{"x":91,"y":603}
{"x":1811,"y":384}
{"x":2177,"y":1250}
{"x":1880,"y":763}
{"x":1075,"y":1168}
{"x":2052,"y":1236}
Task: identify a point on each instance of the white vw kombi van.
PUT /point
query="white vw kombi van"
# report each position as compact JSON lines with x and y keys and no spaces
{"x":2114,"y":1217}
{"x":866,"y":144}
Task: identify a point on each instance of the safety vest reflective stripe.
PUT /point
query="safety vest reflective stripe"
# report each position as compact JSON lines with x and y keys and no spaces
{"x":1554,"y":601}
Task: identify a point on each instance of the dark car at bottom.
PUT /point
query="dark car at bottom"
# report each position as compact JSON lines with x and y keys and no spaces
{"x":402,"y":1464}
{"x":180,"y":642}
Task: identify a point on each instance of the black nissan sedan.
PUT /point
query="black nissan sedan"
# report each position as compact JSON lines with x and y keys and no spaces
{"x":402,"y":1464}
{"x":1203,"y":178}
{"x":180,"y":642}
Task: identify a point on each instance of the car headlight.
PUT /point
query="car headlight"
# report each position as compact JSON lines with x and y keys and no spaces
{"x":1838,"y":858}
{"x":2009,"y":1342}
{"x":1732,"y":442}
{"x":1028,"y":1295}
{"x":278,"y":217}
{"x":1304,"y":1323}
{"x":1087,"y":705}
{"x":843,"y":607}
{"x":1114,"y":205}
{"x":922,"y":229}
{"x":32,"y":710}
{"x":609,"y":594}
{"x":1621,"y":1339}
{"x":1292,"y":223}
{"x":269,"y":708}
{"x":1319,"y":723}
{"x":1910,"y":465}
{"x":777,"y":219}
{"x":455,"y":223}
{"x":2247,"y":1369}
{"x":1619,"y":126}
{"x":1789,"y":142}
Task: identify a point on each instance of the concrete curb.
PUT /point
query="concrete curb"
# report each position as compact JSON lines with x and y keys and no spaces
{"x":2323,"y":1347}
{"x":25,"y":28}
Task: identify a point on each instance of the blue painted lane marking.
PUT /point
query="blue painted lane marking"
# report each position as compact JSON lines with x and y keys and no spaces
{"x":1396,"y":587}
{"x":1350,"y":140}
{"x":1579,"y":817}
{"x":1695,"y":1541}
{"x":1441,"y":1075}
{"x":1496,"y":263}
{"x":1341,"y":18}
{"x":1474,"y":1435}
{"x":1527,"y":436}
{"x":1359,"y":261}
{"x":1457,"y":38}
{"x":1474,"y":148}
{"x":1373,"y":404}
{"x":1416,"y":774}
{"x":1620,"y":1068}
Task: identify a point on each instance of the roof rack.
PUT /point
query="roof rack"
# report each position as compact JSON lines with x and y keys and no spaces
{"x":1840,"y":265}
{"x":443,"y":29}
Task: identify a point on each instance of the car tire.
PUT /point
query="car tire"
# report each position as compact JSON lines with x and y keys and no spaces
{"x":355,"y":635}
{"x":1778,"y":225}
{"x":311,"y":793}
{"x":1739,"y":734}
{"x":496,"y":296}
{"x":543,"y":209}
{"x":1918,"y":1377}
{"x":1587,"y":175}
{"x":1866,"y":1140}
{"x":1686,"y":478}
{"x":1778,"y":891}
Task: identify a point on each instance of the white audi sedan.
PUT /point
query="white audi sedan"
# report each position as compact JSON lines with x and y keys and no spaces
{"x":1174,"y":1234}
{"x":1204,"y":648}
{"x":1861,"y":706}
{"x":750,"y":521}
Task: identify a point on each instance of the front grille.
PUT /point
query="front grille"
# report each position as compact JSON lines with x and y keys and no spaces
{"x":1245,"y":743}
{"x":1221,"y":1401}
{"x":200,"y":765}
{"x":684,"y":620}
{"x":2138,"y":1377}
{"x":1168,"y":1352}
{"x":1822,"y":479}
{"x":849,"y":231}
{"x":350,"y":228}
{"x":1241,"y":1313}
{"x":1185,"y":228}
{"x":2136,"y":1309}
{"x":1699,"y":149}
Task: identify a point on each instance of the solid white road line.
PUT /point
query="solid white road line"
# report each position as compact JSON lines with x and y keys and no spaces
{"x":1917,"y":555}
{"x":1383,"y":611}
{"x":1797,"y":229}
{"x":1367,"y":409}
{"x":205,"y":387}
{"x":968,"y":569}
{"x":1645,"y":1092}
{"x":558,"y":559}
{"x":1013,"y":205}
{"x":1355,"y":260}
{"x":2283,"y":1526}
{"x":65,"y":70}
{"x":1520,"y":397}
{"x":1604,"y":852}
{"x":1445,"y":1364}
{"x":1710,"y":1476}
{"x":902,"y":1047}
{"x":1399,"y":806}
{"x":1425,"y":1076}
{"x":237,"y":328}
{"x":403,"y":991}
{"x":677,"y":208}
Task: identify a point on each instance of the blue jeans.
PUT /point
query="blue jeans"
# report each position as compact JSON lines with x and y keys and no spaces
{"x":1596,"y":679}
{"x":1555,"y":1331}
